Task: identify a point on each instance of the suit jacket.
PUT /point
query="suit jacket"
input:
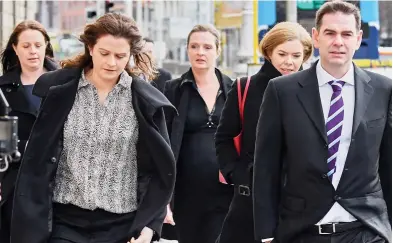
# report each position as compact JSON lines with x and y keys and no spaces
{"x":159,"y":81}
{"x":32,"y":217}
{"x":237,"y":169}
{"x":14,"y":92}
{"x":291,"y":131}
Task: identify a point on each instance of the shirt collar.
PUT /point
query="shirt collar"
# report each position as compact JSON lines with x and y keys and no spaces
{"x":124,"y":81}
{"x":324,"y":77}
{"x":83,"y":81}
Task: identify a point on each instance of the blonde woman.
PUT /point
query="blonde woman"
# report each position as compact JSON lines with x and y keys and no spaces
{"x":285,"y":48}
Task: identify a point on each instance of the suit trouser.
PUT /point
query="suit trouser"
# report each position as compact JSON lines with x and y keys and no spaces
{"x":357,"y":235}
{"x":76,"y":225}
{"x":239,"y":223}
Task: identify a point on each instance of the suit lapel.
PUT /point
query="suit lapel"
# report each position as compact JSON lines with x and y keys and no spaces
{"x":311,"y":101}
{"x":363,"y":93}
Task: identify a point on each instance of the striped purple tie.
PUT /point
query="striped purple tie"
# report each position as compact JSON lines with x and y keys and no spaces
{"x":334,"y":125}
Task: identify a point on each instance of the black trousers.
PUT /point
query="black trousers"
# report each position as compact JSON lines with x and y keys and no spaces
{"x":5,"y":225}
{"x":239,"y":223}
{"x":7,"y":192}
{"x":357,"y":235}
{"x":76,"y":225}
{"x":168,"y":232}
{"x":200,"y":221}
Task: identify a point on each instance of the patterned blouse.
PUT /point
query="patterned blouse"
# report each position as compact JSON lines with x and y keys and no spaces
{"x":98,"y":164}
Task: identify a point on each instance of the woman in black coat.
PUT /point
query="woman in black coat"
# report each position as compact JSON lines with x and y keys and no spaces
{"x":27,"y":55}
{"x":285,"y":47}
{"x":200,"y":200}
{"x":98,"y":166}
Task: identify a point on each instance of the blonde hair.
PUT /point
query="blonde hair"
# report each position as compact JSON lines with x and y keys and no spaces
{"x":283,"y":32}
{"x":206,"y":28}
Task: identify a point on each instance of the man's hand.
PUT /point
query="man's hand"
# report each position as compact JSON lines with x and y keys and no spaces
{"x":169,"y":216}
{"x":145,"y":236}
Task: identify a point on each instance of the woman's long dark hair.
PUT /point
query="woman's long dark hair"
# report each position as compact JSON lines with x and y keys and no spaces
{"x":119,"y":26}
{"x":9,"y":59}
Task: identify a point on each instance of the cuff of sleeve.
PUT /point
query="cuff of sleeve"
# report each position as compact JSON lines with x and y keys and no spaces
{"x":266,"y":240}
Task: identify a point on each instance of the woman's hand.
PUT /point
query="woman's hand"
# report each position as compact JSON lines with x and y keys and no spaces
{"x":169,"y":216}
{"x":145,"y":236}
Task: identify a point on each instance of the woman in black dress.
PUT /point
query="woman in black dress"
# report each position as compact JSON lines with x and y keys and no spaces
{"x":200,"y":200}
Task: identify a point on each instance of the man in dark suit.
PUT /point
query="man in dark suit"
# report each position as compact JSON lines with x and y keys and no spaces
{"x":323,"y":165}
{"x":164,"y":75}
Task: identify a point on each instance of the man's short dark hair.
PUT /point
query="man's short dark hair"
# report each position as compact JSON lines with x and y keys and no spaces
{"x":337,"y":6}
{"x":147,"y":39}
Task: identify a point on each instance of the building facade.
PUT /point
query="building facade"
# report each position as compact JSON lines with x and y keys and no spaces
{"x":12,"y":13}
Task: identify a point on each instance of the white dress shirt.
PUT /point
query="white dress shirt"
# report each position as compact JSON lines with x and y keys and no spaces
{"x":337,"y":213}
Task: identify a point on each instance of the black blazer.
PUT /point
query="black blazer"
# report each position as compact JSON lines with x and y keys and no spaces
{"x":32,"y":217}
{"x":159,"y":81}
{"x":178,"y":95}
{"x":11,"y":85}
{"x":237,"y":169}
{"x":291,"y":130}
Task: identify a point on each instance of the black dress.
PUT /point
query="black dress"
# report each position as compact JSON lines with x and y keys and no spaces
{"x":201,"y":202}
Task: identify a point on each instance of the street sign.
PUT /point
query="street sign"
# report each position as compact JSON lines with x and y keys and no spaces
{"x":266,"y":12}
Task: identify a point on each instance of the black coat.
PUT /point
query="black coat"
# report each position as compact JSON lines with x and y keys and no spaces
{"x":236,"y":169}
{"x":159,"y":81}
{"x":12,"y":87}
{"x":291,"y":130}
{"x":32,"y":217}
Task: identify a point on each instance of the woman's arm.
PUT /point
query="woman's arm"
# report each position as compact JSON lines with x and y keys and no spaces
{"x":229,"y":127}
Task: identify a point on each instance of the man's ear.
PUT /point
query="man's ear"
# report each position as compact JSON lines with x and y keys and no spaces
{"x":359,"y":38}
{"x":315,"y":37}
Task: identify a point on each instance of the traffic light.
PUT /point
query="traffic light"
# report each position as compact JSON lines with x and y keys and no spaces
{"x":91,"y":14}
{"x":108,"y":6}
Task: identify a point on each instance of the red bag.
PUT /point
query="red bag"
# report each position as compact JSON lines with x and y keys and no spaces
{"x":241,"y":101}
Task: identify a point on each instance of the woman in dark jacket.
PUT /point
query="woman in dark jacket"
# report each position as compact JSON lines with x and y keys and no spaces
{"x":28,"y":54}
{"x":200,"y":200}
{"x":285,"y":48}
{"x":98,"y":166}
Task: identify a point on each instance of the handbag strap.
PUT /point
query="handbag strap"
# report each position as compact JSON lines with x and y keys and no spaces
{"x":242,"y":100}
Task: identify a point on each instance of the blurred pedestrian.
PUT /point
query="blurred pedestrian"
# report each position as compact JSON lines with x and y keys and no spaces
{"x":163,"y":75}
{"x":28,"y":54}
